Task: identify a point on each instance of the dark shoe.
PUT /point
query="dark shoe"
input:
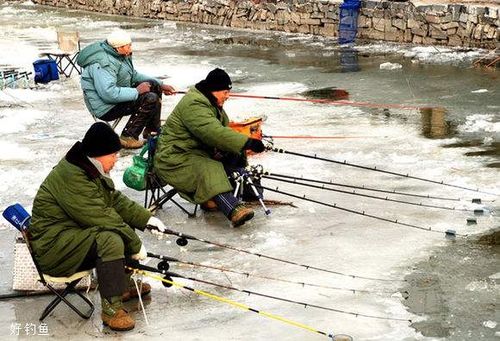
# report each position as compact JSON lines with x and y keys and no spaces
{"x":132,"y":291}
{"x":131,"y":143}
{"x":114,"y":316}
{"x":240,"y":215}
{"x":209,"y":206}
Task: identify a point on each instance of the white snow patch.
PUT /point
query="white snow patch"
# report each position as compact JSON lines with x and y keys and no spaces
{"x":390,"y":66}
{"x":479,"y":91}
{"x":12,"y":151}
{"x":490,"y":324}
{"x":480,"y":123}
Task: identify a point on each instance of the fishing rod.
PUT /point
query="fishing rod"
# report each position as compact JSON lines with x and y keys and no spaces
{"x":169,"y":282}
{"x":313,"y":137}
{"x":375,"y":169}
{"x":164,"y":265}
{"x":363,"y":187}
{"x":324,"y":101}
{"x":449,"y":233}
{"x":183,"y":241}
{"x":168,"y":275}
{"x":476,"y":211}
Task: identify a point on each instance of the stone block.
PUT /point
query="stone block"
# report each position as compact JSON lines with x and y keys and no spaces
{"x":432,"y":19}
{"x":407,"y":38}
{"x":477,"y":33}
{"x":437,"y":33}
{"x":451,"y":31}
{"x":412,"y":23}
{"x":472,"y":18}
{"x":399,"y":24}
{"x":417,"y":40}
{"x":464,"y":17}
{"x":367,"y":12}
{"x":379,"y":24}
{"x":314,"y":22}
{"x":317,"y":15}
{"x":364,"y":22}
{"x":295,"y":18}
{"x":454,"y":40}
{"x":449,"y":26}
{"x":419,"y":32}
{"x":429,"y":41}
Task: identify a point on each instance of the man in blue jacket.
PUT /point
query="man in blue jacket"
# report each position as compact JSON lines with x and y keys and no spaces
{"x":112,"y":88}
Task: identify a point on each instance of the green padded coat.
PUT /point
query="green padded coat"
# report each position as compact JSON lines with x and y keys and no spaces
{"x":183,"y":157}
{"x":74,"y":203}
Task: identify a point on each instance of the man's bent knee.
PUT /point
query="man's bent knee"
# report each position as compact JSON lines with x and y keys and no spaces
{"x":110,"y":246}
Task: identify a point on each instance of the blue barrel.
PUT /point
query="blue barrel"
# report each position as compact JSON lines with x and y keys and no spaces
{"x":348,"y":21}
{"x":45,"y":70}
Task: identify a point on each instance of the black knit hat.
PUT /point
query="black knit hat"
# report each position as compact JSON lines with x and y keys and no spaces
{"x":217,"y":80}
{"x":100,"y":140}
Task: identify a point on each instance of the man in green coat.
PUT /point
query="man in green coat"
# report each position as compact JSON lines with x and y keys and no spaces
{"x":79,"y":221}
{"x":112,"y":88}
{"x":196,"y":145}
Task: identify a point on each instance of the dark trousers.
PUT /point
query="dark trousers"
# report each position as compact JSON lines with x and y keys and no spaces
{"x":144,"y":112}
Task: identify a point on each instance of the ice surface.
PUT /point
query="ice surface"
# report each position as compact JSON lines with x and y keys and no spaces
{"x":39,"y":125}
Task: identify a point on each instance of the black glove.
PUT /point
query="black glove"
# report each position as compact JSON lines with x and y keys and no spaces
{"x":254,"y":145}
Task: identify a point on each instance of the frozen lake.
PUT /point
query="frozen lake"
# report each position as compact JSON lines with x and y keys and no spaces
{"x":456,"y":142}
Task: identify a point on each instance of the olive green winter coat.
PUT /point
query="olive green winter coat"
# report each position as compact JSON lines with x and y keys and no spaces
{"x":186,"y":144}
{"x":73,"y":205}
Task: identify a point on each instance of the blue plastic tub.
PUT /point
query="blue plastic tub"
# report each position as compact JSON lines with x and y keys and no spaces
{"x":45,"y":70}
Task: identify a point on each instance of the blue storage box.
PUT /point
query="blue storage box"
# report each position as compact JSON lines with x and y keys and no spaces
{"x":45,"y":70}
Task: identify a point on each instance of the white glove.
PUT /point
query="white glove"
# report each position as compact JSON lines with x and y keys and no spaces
{"x":141,"y":255}
{"x":157,"y":223}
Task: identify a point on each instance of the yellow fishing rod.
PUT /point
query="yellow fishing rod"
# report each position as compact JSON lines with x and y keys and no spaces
{"x":338,"y":337}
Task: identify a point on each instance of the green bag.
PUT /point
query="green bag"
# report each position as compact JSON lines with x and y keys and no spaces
{"x":135,"y":175}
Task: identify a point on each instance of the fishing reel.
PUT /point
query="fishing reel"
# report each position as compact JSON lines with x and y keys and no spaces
{"x":181,"y":241}
{"x":163,"y":265}
{"x":166,"y":284}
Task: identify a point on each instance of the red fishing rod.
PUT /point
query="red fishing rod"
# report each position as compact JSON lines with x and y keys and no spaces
{"x":325,"y":101}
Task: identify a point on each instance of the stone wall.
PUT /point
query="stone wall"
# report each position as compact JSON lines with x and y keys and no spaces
{"x":453,"y":25}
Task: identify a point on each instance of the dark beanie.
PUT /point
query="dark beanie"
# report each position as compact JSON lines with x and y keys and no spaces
{"x":100,"y":140}
{"x":217,"y":80}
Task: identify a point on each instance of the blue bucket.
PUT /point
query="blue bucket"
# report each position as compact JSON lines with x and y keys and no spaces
{"x":45,"y":70}
{"x":17,"y":216}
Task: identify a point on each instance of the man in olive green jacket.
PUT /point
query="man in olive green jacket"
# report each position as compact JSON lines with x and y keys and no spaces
{"x":190,"y":144}
{"x":80,"y":221}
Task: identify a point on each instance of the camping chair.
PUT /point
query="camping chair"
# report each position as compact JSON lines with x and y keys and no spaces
{"x":155,"y":194}
{"x":18,"y":217}
{"x":112,"y":124}
{"x":142,"y":177}
{"x":65,"y":57}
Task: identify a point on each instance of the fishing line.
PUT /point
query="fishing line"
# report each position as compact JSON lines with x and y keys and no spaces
{"x":167,"y":259}
{"x":363,"y":213}
{"x":250,"y":292}
{"x":356,"y":187}
{"x":233,"y":303}
{"x":183,"y":240}
{"x":325,"y":101}
{"x":283,"y":151}
{"x":371,"y":196}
